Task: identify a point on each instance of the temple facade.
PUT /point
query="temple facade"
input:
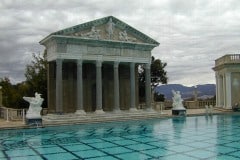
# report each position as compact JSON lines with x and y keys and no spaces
{"x":227,"y":71}
{"x":93,"y":67}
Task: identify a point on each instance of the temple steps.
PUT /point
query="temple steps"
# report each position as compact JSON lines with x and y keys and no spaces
{"x":54,"y":119}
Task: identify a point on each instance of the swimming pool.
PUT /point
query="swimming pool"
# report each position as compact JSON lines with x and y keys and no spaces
{"x":183,"y":138}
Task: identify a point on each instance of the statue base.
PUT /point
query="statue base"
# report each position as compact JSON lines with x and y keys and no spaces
{"x":179,"y":112}
{"x":34,"y":122}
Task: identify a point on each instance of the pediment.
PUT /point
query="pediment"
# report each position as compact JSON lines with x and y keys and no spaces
{"x":108,"y":28}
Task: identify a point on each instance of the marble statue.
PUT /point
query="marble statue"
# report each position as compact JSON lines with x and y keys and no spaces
{"x":94,"y":33}
{"x":124,"y":37}
{"x":110,"y":28}
{"x":177,"y":100}
{"x":35,"y":108}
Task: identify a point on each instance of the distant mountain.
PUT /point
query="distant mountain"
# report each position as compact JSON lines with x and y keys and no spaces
{"x":204,"y":91}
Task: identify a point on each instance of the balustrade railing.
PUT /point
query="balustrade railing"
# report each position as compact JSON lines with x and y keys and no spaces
{"x":190,"y":104}
{"x":11,"y":114}
{"x":230,"y":58}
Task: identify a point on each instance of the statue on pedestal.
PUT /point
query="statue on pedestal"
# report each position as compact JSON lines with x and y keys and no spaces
{"x":178,"y":108}
{"x":34,"y":111}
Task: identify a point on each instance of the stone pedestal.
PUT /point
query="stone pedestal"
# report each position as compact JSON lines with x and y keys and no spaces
{"x":178,"y":108}
{"x":99,"y":111}
{"x":179,"y":112}
{"x":80,"y":112}
{"x":34,"y":122}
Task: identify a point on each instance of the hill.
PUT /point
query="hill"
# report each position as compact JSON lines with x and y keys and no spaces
{"x":204,"y":91}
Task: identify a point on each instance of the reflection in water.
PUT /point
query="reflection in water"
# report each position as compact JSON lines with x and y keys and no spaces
{"x":178,"y":125}
{"x":198,"y":137}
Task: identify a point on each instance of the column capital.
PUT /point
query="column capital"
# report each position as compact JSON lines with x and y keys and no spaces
{"x":116,"y":64}
{"x":59,"y":60}
{"x":79,"y":62}
{"x":133,"y":63}
{"x":228,"y":73}
{"x":98,"y":63}
{"x":147,"y":65}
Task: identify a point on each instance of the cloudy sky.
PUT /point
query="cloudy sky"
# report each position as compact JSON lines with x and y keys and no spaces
{"x":192,"y":33}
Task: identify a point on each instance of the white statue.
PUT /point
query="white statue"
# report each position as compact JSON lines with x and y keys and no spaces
{"x":94,"y":33}
{"x":124,"y":37}
{"x":177,"y":100}
{"x":110,"y":28}
{"x":35,"y":108}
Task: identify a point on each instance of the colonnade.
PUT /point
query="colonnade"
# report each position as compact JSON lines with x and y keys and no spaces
{"x":224,"y":90}
{"x":99,"y":107}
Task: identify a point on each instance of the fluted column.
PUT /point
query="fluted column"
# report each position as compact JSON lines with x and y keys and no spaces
{"x":59,"y":97}
{"x":218,"y":103}
{"x":148,"y":85}
{"x":116,"y":86}
{"x":228,"y":90}
{"x":132,"y":87}
{"x":80,"y":109}
{"x":221,"y":91}
{"x":99,"y":87}
{"x":224,"y":91}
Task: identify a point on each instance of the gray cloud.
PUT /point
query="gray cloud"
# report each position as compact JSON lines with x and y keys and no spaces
{"x":192,"y":34}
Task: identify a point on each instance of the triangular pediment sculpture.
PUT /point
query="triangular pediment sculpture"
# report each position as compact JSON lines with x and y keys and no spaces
{"x":108,"y":28}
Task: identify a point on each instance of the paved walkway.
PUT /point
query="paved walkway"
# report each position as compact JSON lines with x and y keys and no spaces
{"x":167,"y":113}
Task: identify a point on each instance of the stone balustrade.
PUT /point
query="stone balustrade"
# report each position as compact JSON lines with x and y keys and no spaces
{"x":12,"y":114}
{"x":230,"y":58}
{"x":191,"y":104}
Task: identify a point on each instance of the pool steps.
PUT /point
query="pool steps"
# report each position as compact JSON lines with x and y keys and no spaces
{"x":54,"y":119}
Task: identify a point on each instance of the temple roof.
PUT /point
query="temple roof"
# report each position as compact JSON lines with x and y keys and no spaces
{"x":104,"y":29}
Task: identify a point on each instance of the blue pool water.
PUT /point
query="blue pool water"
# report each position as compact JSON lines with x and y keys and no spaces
{"x":183,"y":138}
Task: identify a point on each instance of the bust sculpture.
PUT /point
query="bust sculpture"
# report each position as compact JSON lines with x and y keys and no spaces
{"x":35,"y":108}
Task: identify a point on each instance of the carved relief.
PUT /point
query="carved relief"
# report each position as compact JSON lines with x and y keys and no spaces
{"x":94,"y":33}
{"x":124,"y":37}
{"x":107,"y":31}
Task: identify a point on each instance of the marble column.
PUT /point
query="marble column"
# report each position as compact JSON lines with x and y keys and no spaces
{"x":99,"y":108}
{"x":224,"y":91}
{"x":228,"y":90}
{"x":116,"y":87}
{"x":132,"y":87}
{"x":80,"y":109}
{"x":218,"y":103}
{"x":48,"y":83}
{"x":148,"y":85}
{"x":59,"y":89}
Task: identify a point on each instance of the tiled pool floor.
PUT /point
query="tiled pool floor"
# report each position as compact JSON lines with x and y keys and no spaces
{"x":190,"y":138}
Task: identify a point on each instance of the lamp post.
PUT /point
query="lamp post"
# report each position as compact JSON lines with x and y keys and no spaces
{"x":195,"y":93}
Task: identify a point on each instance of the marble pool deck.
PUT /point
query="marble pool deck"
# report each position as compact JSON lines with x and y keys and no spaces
{"x":65,"y":119}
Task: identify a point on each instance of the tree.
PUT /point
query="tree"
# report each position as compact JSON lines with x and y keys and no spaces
{"x":12,"y":94}
{"x":36,"y":76}
{"x":158,"y":75}
{"x":36,"y":81}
